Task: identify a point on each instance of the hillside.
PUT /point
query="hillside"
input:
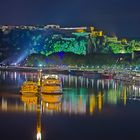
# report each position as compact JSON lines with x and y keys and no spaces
{"x":48,"y":41}
{"x":72,"y":59}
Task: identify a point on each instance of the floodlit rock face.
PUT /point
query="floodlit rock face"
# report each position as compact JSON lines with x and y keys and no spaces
{"x":41,"y":41}
{"x":24,"y":40}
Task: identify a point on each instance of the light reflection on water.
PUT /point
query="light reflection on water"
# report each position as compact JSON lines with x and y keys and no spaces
{"x":70,"y":103}
{"x":81,"y":96}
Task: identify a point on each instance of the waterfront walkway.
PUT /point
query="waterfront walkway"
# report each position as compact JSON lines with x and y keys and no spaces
{"x":117,"y":74}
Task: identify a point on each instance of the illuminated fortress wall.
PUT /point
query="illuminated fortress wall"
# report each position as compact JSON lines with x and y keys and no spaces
{"x":29,"y":39}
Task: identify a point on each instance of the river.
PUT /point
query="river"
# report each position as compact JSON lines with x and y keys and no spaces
{"x":88,"y":109}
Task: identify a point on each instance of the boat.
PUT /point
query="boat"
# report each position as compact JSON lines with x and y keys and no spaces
{"x":123,"y":77}
{"x":91,"y":74}
{"x":29,"y":87}
{"x":136,"y":79}
{"x":51,"y":84}
{"x":106,"y":76}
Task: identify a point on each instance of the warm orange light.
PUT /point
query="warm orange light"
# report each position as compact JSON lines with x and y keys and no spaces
{"x":92,"y":103}
{"x":100,"y":102}
{"x":80,"y":30}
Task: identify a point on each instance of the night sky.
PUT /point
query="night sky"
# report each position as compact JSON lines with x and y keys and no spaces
{"x":120,"y":17}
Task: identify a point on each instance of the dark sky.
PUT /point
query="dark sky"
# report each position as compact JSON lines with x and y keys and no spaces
{"x":120,"y":17}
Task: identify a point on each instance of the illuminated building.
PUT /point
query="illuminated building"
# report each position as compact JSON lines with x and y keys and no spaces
{"x":112,"y":39}
{"x":75,"y":28}
{"x":53,"y":26}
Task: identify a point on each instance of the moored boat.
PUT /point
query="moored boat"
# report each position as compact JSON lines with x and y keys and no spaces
{"x":136,"y":79}
{"x":91,"y":74}
{"x":106,"y":76}
{"x":51,"y":84}
{"x":29,"y":87}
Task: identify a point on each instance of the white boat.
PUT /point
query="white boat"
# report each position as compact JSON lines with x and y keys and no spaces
{"x":51,"y":84}
{"x":136,"y":79}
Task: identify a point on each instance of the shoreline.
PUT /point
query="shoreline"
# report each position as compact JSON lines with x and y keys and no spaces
{"x":69,"y":70}
{"x":130,"y":77}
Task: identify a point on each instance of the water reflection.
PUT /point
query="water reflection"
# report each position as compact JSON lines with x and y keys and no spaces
{"x":81,"y":96}
{"x":73,"y":101}
{"x":36,"y":102}
{"x":51,"y":102}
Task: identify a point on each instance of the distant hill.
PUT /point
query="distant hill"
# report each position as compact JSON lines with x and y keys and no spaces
{"x":72,"y":59}
{"x":23,"y":41}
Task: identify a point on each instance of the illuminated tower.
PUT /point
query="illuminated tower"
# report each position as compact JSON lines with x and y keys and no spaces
{"x":92,"y":40}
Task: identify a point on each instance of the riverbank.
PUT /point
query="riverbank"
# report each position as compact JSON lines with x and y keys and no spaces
{"x":32,"y":69}
{"x":82,"y":71}
{"x":77,"y":70}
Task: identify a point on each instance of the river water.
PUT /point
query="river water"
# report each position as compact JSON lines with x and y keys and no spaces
{"x":88,"y":109}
